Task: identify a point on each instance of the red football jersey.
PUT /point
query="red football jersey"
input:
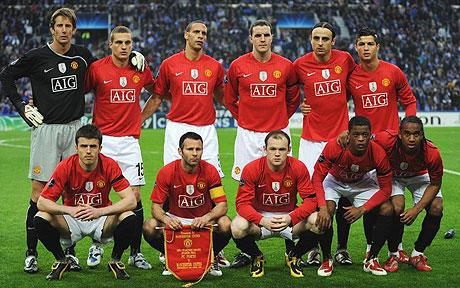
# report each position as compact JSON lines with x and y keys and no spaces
{"x":117,"y":111}
{"x":78,"y":186}
{"x":262,"y":190}
{"x":348,"y":168}
{"x":376,"y":95}
{"x":191,"y":85}
{"x":262,"y":96}
{"x":405,"y":165}
{"x":189,"y":195}
{"x":325,"y":91}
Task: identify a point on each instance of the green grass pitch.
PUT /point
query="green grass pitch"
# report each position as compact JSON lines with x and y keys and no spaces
{"x":15,"y":192}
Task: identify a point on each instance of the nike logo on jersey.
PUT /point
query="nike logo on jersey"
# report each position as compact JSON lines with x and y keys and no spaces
{"x":107,"y":81}
{"x":261,"y":185}
{"x":48,"y":70}
{"x":179,"y":73}
{"x":311,"y":73}
{"x":359,"y":86}
{"x":176,"y":186}
{"x":246,"y":75}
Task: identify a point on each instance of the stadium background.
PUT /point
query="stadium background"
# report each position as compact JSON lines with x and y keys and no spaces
{"x":421,"y":37}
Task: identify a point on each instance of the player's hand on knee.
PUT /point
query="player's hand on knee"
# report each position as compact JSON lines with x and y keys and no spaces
{"x":173,"y":223}
{"x":408,"y":217}
{"x":137,"y":60}
{"x":200,"y":222}
{"x":353,"y":213}
{"x":279,"y":223}
{"x":323,"y":220}
{"x":33,"y":117}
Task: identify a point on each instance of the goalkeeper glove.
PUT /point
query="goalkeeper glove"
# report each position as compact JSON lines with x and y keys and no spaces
{"x":32,"y":115}
{"x":137,"y":60}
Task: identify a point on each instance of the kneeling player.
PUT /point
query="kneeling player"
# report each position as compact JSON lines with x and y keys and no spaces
{"x":195,"y":197}
{"x":417,"y":166}
{"x":84,"y":181}
{"x":345,"y":172}
{"x":266,"y":204}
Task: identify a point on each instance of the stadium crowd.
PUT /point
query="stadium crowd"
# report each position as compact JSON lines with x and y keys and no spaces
{"x":421,"y":37}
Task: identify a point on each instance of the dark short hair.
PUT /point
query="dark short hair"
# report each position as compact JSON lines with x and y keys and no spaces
{"x":88,"y":131}
{"x":358,"y":121}
{"x":326,"y":25}
{"x":260,"y":22}
{"x":189,"y":25}
{"x":277,"y":134}
{"x":119,"y":29}
{"x":366,"y":31}
{"x":411,"y":119}
{"x":64,"y":12}
{"x":189,"y":135}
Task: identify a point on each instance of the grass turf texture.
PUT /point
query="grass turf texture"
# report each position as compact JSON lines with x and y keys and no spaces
{"x":14,"y":198}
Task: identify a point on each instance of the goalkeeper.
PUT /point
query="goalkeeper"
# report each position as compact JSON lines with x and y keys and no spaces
{"x":56,"y":71}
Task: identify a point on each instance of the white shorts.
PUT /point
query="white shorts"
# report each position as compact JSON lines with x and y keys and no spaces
{"x":79,"y":229}
{"x":127,"y":153}
{"x":416,"y":185}
{"x":173,"y":132}
{"x":183,"y":221}
{"x":358,"y":192}
{"x":265,"y":233}
{"x":309,"y":152}
{"x":249,"y":146}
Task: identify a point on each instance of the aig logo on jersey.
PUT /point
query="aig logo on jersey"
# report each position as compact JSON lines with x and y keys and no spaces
{"x":194,"y":88}
{"x":275,"y":199}
{"x":64,"y":83}
{"x":87,"y":198}
{"x":375,"y":100}
{"x":122,"y":95}
{"x":186,"y":201}
{"x":263,"y":90}
{"x":328,"y":87}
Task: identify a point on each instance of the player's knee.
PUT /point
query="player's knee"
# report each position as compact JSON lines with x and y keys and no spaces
{"x":44,"y":215}
{"x":124,"y":215}
{"x":386,"y":209}
{"x":224,"y":225}
{"x":436,"y":207}
{"x":37,"y":187}
{"x":137,"y":192}
{"x":149,"y":229}
{"x":398,"y":203}
{"x":239,"y":227}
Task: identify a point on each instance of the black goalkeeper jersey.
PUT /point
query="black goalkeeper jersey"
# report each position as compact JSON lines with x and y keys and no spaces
{"x":57,"y":81}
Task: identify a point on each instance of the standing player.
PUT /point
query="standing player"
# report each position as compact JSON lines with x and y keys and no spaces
{"x":376,"y":87}
{"x":84,"y":181}
{"x":260,"y":84}
{"x":193,"y":190}
{"x":417,"y":166}
{"x":117,"y":113}
{"x":323,"y":74}
{"x":193,"y":80}
{"x":56,"y":72}
{"x":266,"y":203}
{"x":343,"y":172}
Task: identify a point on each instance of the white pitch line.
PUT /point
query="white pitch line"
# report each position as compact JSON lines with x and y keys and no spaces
{"x":452,"y":172}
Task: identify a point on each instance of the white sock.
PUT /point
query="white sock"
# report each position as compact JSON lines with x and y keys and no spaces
{"x":392,"y":253}
{"x":400,"y":246}
{"x":416,"y":253}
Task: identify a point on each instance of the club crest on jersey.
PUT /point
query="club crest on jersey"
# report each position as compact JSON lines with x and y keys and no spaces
{"x":354,"y":168}
{"x":338,"y":69}
{"x":208,"y":73}
{"x":263,"y":75}
{"x":190,"y":189}
{"x":404,"y":165}
{"x":100,"y":184}
{"x":288,"y":182}
{"x":123,"y":81}
{"x":89,"y":186}
{"x":136,"y":78}
{"x":276,"y":186}
{"x":62,"y":68}
{"x":277,"y":74}
{"x":325,"y":73}
{"x":74,"y":65}
{"x":386,"y":82}
{"x":194,"y":73}
{"x":201,"y":185}
{"x":373,"y":86}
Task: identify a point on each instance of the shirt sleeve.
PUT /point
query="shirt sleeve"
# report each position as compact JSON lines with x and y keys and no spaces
{"x":322,"y":167}
{"x":306,"y":192}
{"x":148,"y":77}
{"x":55,"y":186}
{"x":246,"y":195}
{"x":161,"y":188}
{"x":292,"y":91}
{"x":231,"y":92}
{"x":117,"y":180}
{"x":216,"y":190}
{"x":405,"y":95}
{"x":435,"y":166}
{"x":384,"y":178}
{"x":90,"y":78}
{"x":162,"y":82}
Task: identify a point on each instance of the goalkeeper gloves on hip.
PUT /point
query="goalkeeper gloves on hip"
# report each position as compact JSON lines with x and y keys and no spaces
{"x":33,"y":116}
